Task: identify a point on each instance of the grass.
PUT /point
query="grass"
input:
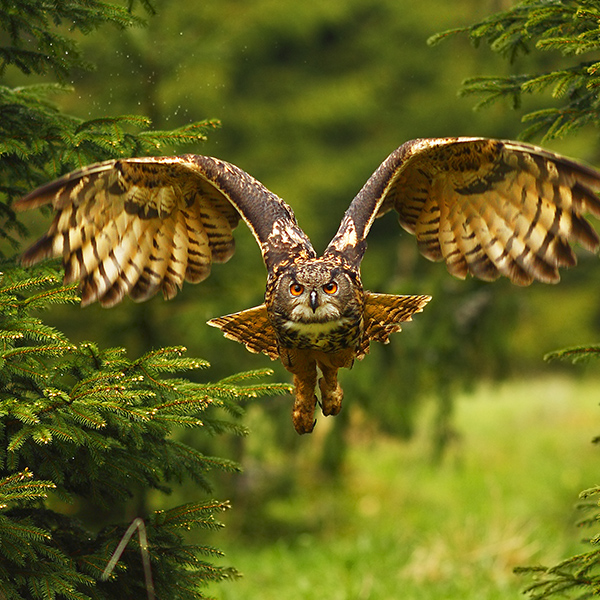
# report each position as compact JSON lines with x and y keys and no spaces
{"x":396,"y":526}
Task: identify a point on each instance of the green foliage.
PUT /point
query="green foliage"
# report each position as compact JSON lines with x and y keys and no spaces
{"x":502,"y":497}
{"x":86,"y":431}
{"x":86,"y":425}
{"x":577,"y":576}
{"x":92,"y":427}
{"x":36,"y":30}
{"x":576,"y":354}
{"x":569,"y":28}
{"x":38,"y":142}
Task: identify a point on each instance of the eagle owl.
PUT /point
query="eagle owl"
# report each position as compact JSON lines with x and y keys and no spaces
{"x":488,"y":208}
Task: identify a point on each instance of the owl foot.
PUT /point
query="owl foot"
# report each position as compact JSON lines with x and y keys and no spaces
{"x":303,"y":414}
{"x":331,"y":391}
{"x":331,"y":397}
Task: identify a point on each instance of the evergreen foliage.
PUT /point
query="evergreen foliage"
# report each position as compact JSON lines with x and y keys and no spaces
{"x":85,"y":430}
{"x":577,"y":576}
{"x":37,"y":141}
{"x":569,"y":27}
{"x":84,"y":425}
{"x":36,"y":30}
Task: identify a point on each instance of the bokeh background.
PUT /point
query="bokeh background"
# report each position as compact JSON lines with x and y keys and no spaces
{"x":460,"y":452}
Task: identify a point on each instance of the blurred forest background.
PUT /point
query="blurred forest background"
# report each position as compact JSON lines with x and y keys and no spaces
{"x":311,"y":96}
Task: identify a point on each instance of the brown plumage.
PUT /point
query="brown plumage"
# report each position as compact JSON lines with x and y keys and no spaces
{"x":488,"y":208}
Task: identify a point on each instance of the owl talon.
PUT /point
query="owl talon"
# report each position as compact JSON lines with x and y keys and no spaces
{"x":303,"y":414}
{"x":332,"y":402}
{"x":331,"y":395}
{"x":333,"y":409}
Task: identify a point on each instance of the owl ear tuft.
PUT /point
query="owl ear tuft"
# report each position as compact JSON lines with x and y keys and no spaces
{"x":383,"y":315}
{"x":250,"y":327}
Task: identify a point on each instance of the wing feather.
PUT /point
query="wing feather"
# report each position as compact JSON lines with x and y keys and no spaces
{"x":199,"y":252}
{"x":137,"y":226}
{"x":488,"y":208}
{"x":251,"y":327}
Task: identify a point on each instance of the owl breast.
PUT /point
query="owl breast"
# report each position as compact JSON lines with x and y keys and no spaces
{"x":327,"y":336}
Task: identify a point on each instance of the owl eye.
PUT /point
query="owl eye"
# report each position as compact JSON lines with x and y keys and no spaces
{"x":296,"y":289}
{"x":330,"y":288}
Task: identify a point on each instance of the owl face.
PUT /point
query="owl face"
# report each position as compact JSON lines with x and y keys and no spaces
{"x":314,"y":293}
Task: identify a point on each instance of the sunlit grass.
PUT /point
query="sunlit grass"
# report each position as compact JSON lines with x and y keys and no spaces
{"x":398,"y":526}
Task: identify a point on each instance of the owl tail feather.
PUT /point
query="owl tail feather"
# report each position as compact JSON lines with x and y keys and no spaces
{"x":250,"y":327}
{"x":383,"y":315}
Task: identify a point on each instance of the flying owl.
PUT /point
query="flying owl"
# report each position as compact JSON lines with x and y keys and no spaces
{"x":488,"y":208}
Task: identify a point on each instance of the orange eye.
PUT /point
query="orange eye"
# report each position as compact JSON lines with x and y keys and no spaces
{"x":330,"y":288}
{"x":296,"y":289}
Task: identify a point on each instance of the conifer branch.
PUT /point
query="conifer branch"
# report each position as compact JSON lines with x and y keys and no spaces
{"x":568,"y":28}
{"x":79,"y":422}
{"x":575,"y":354}
{"x":82,"y":422}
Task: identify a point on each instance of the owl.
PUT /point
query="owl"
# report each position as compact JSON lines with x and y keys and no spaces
{"x":488,"y":208}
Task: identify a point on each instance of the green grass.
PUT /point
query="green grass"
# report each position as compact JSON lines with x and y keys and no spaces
{"x":397,"y":526}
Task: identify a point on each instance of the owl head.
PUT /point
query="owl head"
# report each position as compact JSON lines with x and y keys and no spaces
{"x":315,"y":291}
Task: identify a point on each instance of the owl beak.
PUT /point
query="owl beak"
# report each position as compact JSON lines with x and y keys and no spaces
{"x":313,"y":300}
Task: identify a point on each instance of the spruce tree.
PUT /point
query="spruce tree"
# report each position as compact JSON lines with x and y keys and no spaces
{"x":576,"y":576}
{"x":569,"y":29}
{"x":83,"y":428}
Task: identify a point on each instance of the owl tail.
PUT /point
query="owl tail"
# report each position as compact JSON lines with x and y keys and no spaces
{"x":383,"y":315}
{"x":250,"y":327}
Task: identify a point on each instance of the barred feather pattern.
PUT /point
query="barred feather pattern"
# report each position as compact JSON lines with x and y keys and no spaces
{"x":137,"y":226}
{"x":134,"y":227}
{"x":488,"y":208}
{"x":384,"y":314}
{"x":252,"y":328}
{"x":496,"y":210}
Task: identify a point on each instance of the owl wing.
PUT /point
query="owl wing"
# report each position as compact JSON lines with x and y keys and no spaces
{"x":141,"y":225}
{"x":486,"y":207}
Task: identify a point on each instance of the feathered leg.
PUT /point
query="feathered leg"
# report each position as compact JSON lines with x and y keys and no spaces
{"x":331,"y":391}
{"x":304,"y":368}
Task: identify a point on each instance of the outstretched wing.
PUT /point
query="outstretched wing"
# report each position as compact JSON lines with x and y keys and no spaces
{"x":141,"y":225}
{"x":485,"y":207}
